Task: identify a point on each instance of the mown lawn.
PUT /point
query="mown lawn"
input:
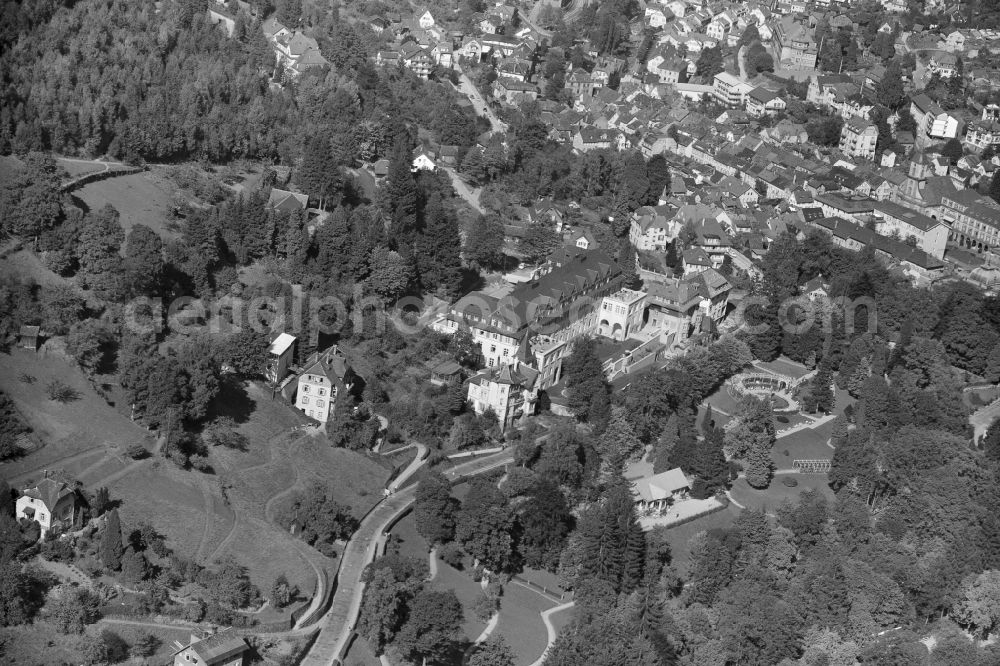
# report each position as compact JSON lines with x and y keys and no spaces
{"x":679,"y":537}
{"x":771,"y":497}
{"x":467,"y":591}
{"x":807,"y":444}
{"x":521,"y":623}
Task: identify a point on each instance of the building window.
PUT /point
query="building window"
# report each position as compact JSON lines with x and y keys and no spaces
{"x":305,"y":389}
{"x":319,"y":403}
{"x":322,"y":392}
{"x":305,"y":400}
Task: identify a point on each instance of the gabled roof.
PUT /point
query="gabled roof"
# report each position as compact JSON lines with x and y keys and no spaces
{"x":660,"y":486}
{"x":284,"y":201}
{"x":50,"y":492}
{"x":331,"y":364}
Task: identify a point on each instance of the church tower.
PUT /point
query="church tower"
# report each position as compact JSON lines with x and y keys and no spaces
{"x":910,"y":193}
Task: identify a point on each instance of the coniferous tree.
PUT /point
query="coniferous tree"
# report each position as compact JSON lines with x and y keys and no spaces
{"x":401,"y":199}
{"x":612,"y":543}
{"x":439,"y":249}
{"x":111,"y":542}
{"x":586,"y":384}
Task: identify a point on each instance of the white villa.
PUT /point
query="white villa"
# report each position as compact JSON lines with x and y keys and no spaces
{"x":52,"y":504}
{"x":326,"y":374}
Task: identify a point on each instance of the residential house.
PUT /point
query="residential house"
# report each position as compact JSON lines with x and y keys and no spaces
{"x":592,"y":138}
{"x":297,"y":52}
{"x":509,"y":391}
{"x":52,"y":504}
{"x":226,"y":648}
{"x":514,"y":92}
{"x":426,"y":19}
{"x":852,"y":209}
{"x":858,"y":139}
{"x":671,"y":71}
{"x":656,"y":17}
{"x":982,"y":134}
{"x":741,"y":191}
{"x":761,"y":101}
{"x":580,"y":83}
{"x":795,"y":41}
{"x":678,"y":307}
{"x":325,"y":376}
{"x":931,"y":120}
{"x":651,"y":229}
{"x":584,"y":240}
{"x":423,"y":159}
{"x":283,"y":201}
{"x":943,"y":64}
{"x":545,"y":211}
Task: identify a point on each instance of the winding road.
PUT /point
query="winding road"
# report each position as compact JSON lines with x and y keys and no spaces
{"x":340,"y":620}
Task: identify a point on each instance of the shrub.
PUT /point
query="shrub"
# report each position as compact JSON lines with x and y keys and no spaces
{"x":137,"y":451}
{"x":452,"y":554}
{"x":789,"y":481}
{"x":61,"y":392}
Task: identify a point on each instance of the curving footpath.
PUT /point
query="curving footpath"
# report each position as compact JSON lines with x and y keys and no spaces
{"x":553,"y":634}
{"x":340,"y":620}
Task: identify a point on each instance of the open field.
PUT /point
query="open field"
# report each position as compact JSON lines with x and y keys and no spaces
{"x":27,"y":267}
{"x":178,"y":503}
{"x":142,"y":198}
{"x":771,"y":497}
{"x":521,"y":622}
{"x":76,"y":434}
{"x":679,"y":537}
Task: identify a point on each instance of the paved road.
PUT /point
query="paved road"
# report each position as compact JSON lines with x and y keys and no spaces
{"x":469,"y":194}
{"x":531,"y":20}
{"x":982,"y":418}
{"x":340,"y":620}
{"x":478,"y":103}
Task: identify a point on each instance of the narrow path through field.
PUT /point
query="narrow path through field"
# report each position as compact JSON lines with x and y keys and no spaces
{"x":432,"y":563}
{"x":80,"y":455}
{"x":131,"y":467}
{"x":550,"y":628}
{"x":238,"y":522}
{"x":207,"y":530}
